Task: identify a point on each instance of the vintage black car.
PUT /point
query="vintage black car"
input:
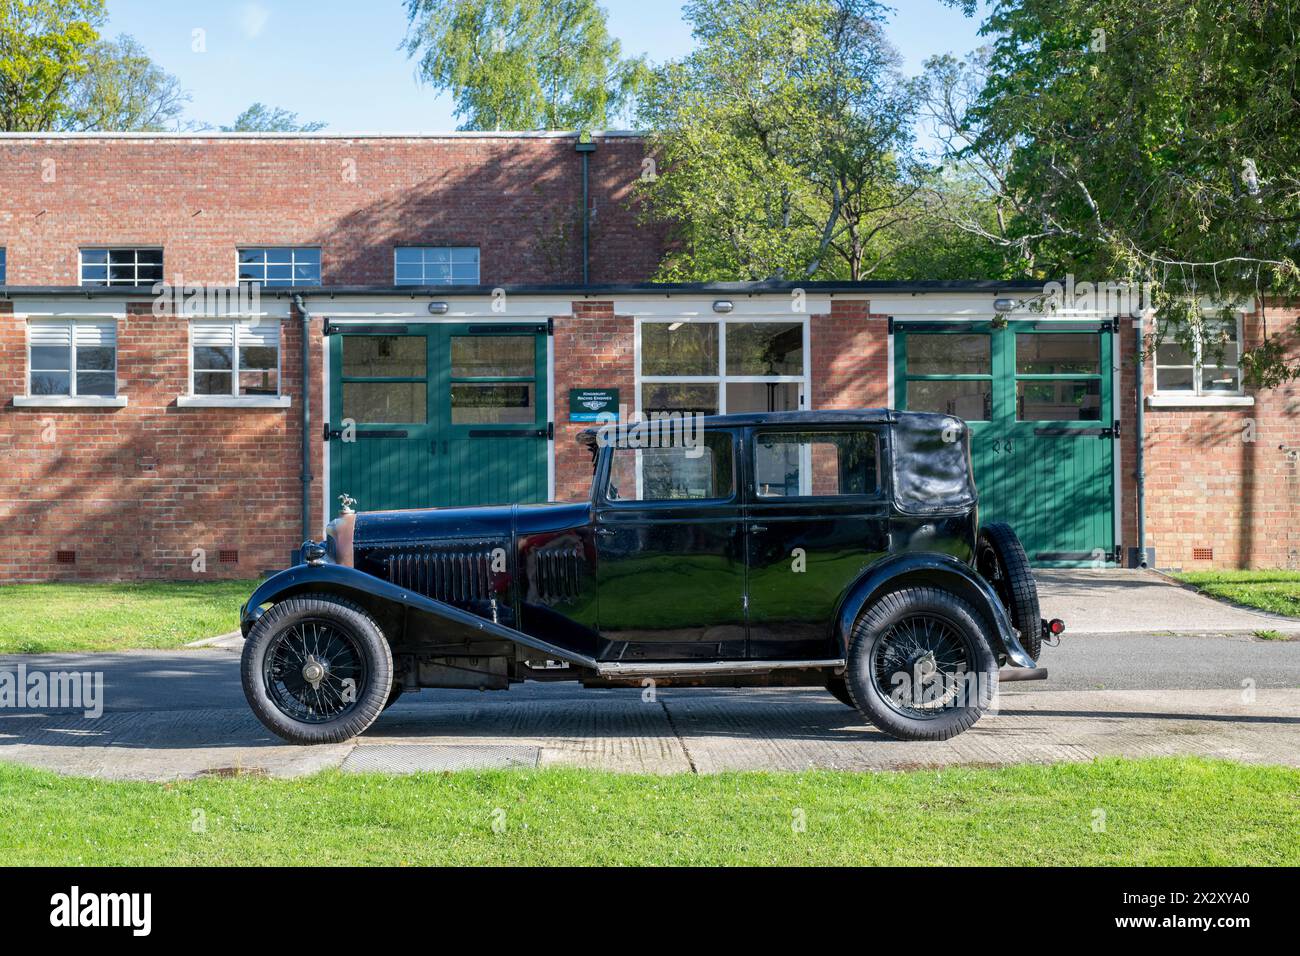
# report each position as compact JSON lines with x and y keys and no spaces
{"x":836,"y":549}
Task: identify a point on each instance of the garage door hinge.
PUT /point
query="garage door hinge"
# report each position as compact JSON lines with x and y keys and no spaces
{"x":327,"y":329}
{"x":890,"y":325}
{"x":550,"y":430}
{"x":330,"y":433}
{"x":1112,"y":432}
{"x":550,"y":326}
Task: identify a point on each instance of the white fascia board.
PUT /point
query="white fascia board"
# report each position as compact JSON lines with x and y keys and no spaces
{"x":77,"y":307}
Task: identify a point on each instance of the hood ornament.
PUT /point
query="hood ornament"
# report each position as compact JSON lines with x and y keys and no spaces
{"x":346,"y":504}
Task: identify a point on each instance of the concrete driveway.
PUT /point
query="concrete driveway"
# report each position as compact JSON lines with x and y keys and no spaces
{"x":1212,"y":690}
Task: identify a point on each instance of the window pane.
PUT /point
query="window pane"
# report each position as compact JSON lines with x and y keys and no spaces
{"x":94,"y":256}
{"x":948,"y":354}
{"x":489,"y":356}
{"x":258,"y":357}
{"x":674,"y":473}
{"x":96,"y":383}
{"x":409,"y":275}
{"x":148,"y":275}
{"x":506,"y":404}
{"x":814,"y":464}
{"x":1058,"y":401}
{"x":1220,"y":380}
{"x":1064,"y":353}
{"x":667,"y":397}
{"x":49,"y":383}
{"x":384,"y":402}
{"x":764,"y":348}
{"x":686,"y":350}
{"x":393,"y":356}
{"x":408,"y":256}
{"x":971,"y":401}
{"x":254,"y":273}
{"x":1171,"y":353}
{"x":121,"y":257}
{"x":259,"y":383}
{"x":153,"y":256}
{"x":94,"y":275}
{"x":252,"y":255}
{"x":762,"y":396}
{"x":95,"y":358}
{"x":212,"y":357}
{"x":1175,"y":380}
{"x":211,"y":383}
{"x":122,"y":275}
{"x":279,"y":274}
{"x":50,"y":357}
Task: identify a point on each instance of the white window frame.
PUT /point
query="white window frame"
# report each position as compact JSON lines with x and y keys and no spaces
{"x":1198,"y":392}
{"x":424,"y":265}
{"x":721,"y":379}
{"x":233,"y":399}
{"x":72,"y":399}
{"x":293,"y":266}
{"x":108,"y":279}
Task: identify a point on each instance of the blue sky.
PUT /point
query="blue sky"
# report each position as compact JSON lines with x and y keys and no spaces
{"x":338,"y":61}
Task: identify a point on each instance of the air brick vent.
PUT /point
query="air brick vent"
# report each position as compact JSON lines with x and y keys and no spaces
{"x":228,"y":556}
{"x":65,"y":557}
{"x":1202,"y":554}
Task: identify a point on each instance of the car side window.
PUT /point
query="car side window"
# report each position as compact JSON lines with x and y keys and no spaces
{"x":815,"y":464}
{"x":700,"y":470}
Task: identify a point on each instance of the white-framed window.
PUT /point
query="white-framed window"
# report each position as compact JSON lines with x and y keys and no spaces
{"x":435,"y":265}
{"x":1211,"y":367}
{"x":280,"y":265}
{"x":72,"y":358}
{"x":121,"y":266}
{"x":721,"y":366}
{"x":234,"y":358}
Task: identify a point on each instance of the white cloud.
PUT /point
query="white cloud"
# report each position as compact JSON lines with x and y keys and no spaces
{"x":252,"y":19}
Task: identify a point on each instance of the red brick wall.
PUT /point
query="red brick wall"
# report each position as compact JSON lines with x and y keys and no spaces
{"x":594,"y":348}
{"x":850,"y":357}
{"x":1206,"y":487}
{"x":518,"y":200}
{"x":135,"y":490}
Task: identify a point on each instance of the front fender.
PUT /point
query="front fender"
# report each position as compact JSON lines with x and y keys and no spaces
{"x":940,"y":570}
{"x":345,"y":581}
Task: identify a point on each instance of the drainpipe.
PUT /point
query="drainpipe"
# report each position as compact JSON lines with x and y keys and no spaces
{"x":306,"y":476}
{"x":586,"y":146}
{"x":1139,"y":421}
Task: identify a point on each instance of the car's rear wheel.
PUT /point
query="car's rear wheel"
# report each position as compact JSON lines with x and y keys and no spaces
{"x":1001,"y":560}
{"x":919,"y":665}
{"x":840,"y":691}
{"x":316,"y":669}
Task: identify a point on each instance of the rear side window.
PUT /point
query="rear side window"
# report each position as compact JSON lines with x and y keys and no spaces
{"x":702,"y":470}
{"x":815,"y":464}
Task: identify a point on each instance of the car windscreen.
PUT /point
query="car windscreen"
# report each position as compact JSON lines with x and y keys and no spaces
{"x":932,"y":464}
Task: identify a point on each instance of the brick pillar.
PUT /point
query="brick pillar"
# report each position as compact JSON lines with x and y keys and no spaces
{"x":850,"y":357}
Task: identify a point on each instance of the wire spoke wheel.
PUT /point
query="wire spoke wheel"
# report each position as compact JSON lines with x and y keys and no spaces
{"x":920,"y":665}
{"x":314,"y":671}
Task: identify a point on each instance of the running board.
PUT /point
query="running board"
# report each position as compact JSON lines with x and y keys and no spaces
{"x":1022,"y":673}
{"x":710,"y":668}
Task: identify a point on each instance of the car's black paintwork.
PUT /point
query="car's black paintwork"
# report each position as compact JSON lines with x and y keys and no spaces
{"x":663,"y":581}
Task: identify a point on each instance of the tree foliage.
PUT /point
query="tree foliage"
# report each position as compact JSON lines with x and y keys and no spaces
{"x":782,"y":141}
{"x":523,"y":64}
{"x":57,"y":74}
{"x":260,"y":118}
{"x":1152,"y":141}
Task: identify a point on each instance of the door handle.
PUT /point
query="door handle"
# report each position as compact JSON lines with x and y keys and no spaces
{"x":605,"y":532}
{"x":758,"y":527}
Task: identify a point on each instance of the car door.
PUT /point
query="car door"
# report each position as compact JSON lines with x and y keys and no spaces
{"x":670,"y":563}
{"x":816,"y":516}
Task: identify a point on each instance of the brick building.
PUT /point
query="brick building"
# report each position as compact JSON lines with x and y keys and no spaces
{"x":456,"y":322}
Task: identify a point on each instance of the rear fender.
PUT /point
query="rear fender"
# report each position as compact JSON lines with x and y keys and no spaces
{"x":376,"y":594}
{"x":935,"y":570}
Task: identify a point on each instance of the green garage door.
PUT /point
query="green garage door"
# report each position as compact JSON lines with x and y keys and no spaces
{"x":1037,"y":396}
{"x":431,"y":415}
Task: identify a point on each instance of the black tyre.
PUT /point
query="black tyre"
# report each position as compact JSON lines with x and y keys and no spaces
{"x":1001,"y":560}
{"x":919,"y":665}
{"x":316,"y":669}
{"x":840,"y":691}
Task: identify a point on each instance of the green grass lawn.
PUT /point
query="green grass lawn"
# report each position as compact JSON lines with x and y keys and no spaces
{"x":1120,"y":812}
{"x":1276,"y":591}
{"x":41,"y":618}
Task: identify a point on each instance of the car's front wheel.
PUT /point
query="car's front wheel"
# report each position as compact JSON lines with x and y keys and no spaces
{"x":919,"y":665}
{"x":316,"y":669}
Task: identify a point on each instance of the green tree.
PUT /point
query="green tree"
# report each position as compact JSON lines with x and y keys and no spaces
{"x":259,"y":118}
{"x":1153,"y":140}
{"x":781,"y":140}
{"x":123,"y":89}
{"x":44,"y":49}
{"x":523,"y":64}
